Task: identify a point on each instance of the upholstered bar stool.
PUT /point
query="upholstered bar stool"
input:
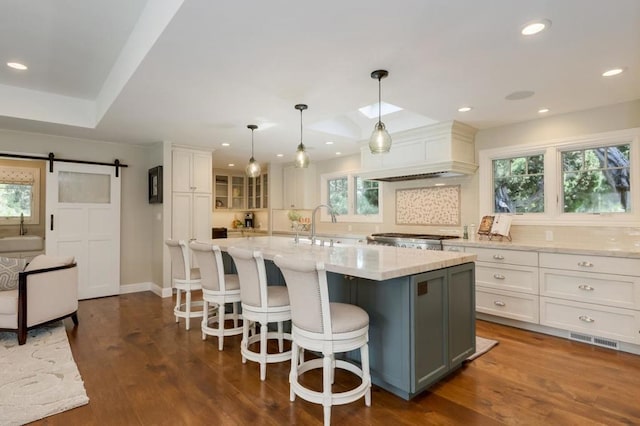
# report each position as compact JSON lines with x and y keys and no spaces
{"x":263,"y":304}
{"x":327,"y":328}
{"x":218,"y":289}
{"x":185,"y":279}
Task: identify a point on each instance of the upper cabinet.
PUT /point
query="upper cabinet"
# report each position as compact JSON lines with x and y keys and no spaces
{"x":191,"y":171}
{"x":230,"y":190}
{"x":258,"y":192}
{"x":298,"y":189}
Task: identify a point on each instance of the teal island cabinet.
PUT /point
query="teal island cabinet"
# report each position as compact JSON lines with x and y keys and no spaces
{"x":421,"y":304}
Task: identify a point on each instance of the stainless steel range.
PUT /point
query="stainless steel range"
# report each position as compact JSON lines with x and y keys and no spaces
{"x":417,"y":241}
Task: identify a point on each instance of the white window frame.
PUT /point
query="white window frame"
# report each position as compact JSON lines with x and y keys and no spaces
{"x":553,"y":214}
{"x":351,"y":202}
{"x":34,"y":219}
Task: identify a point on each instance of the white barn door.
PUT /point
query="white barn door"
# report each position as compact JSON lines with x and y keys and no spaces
{"x":83,"y":220}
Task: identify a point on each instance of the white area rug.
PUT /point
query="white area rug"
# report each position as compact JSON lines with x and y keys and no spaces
{"x":482,"y":347}
{"x":39,"y":378}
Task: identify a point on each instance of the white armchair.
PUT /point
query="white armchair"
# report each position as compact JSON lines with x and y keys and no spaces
{"x":47,"y":291}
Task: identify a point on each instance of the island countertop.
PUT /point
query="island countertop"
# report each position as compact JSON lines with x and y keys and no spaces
{"x":366,"y":261}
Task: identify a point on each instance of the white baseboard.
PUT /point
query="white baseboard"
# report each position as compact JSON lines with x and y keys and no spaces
{"x":147,"y":286}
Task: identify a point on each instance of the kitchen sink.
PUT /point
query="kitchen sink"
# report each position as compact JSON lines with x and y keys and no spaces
{"x":21,"y":243}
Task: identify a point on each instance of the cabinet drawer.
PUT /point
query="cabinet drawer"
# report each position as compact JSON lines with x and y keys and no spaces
{"x":596,"y":320}
{"x":588,"y":263}
{"x":611,"y":290}
{"x":513,"y":257}
{"x":518,"y":306}
{"x":507,"y":277}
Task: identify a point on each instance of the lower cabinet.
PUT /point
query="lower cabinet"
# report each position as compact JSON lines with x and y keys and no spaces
{"x":421,"y":327}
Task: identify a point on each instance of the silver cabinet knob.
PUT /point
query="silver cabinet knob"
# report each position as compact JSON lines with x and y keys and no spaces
{"x":585,"y":264}
{"x":499,"y":303}
{"x":498,"y":276}
{"x":585,"y":287}
{"x":498,"y":257}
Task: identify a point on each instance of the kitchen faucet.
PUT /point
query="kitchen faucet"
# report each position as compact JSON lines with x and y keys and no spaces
{"x":22,"y":231}
{"x":313,"y":220}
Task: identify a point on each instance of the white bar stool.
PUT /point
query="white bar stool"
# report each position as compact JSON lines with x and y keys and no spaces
{"x":328,"y":328}
{"x":261,"y":303}
{"x":218,"y":289}
{"x":185,"y":279}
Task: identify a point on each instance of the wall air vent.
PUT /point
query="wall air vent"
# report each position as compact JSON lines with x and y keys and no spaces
{"x":594,"y":340}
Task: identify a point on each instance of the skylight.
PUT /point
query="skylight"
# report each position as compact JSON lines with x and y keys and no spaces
{"x":371,"y":111}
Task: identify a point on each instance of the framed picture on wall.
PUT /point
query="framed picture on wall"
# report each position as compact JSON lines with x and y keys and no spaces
{"x":155,"y":185}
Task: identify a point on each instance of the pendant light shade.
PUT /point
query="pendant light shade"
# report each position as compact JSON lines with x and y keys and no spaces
{"x":380,"y":140}
{"x":253,"y":168}
{"x":302,"y":158}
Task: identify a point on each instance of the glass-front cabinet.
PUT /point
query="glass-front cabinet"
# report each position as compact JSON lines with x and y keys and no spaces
{"x":229,"y":190}
{"x":257,"y":192}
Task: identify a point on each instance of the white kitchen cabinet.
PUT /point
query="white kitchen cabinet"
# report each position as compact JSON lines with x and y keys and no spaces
{"x":507,"y":283}
{"x":258,"y":192}
{"x":596,"y":295}
{"x":299,"y":187}
{"x":230,"y":190}
{"x":191,"y":171}
{"x":191,"y":195}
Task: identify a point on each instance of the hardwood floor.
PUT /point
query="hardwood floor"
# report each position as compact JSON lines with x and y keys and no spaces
{"x":141,"y":368}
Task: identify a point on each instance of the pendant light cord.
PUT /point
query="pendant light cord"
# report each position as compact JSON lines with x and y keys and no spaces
{"x":252,"y":143}
{"x":301,"y":128}
{"x":379,"y":100}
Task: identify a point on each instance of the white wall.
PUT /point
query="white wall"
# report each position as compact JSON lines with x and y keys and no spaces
{"x":613,"y":117}
{"x":136,"y":226}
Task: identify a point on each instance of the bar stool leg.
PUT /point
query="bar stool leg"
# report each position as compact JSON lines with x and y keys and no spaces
{"x":263,"y":351}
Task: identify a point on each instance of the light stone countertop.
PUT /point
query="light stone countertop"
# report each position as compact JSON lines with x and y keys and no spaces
{"x":611,"y":247}
{"x":365,"y":261}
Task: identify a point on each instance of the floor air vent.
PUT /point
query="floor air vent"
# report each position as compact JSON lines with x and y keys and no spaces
{"x":598,"y":341}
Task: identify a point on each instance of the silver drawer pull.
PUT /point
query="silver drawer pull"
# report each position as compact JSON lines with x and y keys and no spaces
{"x":586,"y":264}
{"x":498,"y":257}
{"x":585,"y":287}
{"x":498,"y":276}
{"x":585,"y":318}
{"x":499,"y":303}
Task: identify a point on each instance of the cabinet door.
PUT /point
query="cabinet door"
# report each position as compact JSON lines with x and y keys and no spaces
{"x":201,"y":172}
{"x":429,"y":346}
{"x":181,"y":171}
{"x":237,"y":193}
{"x":265,"y":191}
{"x":201,"y":216}
{"x":181,"y":217}
{"x":222,"y":191}
{"x":462,"y":313}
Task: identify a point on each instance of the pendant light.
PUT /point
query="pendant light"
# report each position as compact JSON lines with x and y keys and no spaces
{"x":380,"y":140}
{"x":302,"y":158}
{"x":253,"y":168}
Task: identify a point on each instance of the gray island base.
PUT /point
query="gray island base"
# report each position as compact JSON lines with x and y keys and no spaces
{"x":421,"y":304}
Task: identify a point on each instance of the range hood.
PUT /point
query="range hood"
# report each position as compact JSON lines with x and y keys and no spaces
{"x":439,"y":150}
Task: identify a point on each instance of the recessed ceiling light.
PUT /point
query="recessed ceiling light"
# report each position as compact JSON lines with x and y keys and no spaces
{"x":338,"y":153}
{"x":371,"y":111}
{"x":329,"y":143}
{"x":279,"y":155}
{"x":230,"y":165}
{"x":543,"y":110}
{"x":17,"y":66}
{"x":439,"y":184}
{"x":465,"y":109}
{"x":535,"y":27}
{"x":225,"y":144}
{"x":612,"y":72}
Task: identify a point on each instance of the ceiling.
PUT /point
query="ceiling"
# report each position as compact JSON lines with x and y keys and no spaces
{"x":196,"y":72}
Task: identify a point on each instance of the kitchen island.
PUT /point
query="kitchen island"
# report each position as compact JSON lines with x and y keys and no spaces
{"x":421,"y":304}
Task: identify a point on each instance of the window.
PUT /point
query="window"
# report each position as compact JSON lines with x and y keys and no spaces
{"x":518,"y":184}
{"x":589,"y":180}
{"x":353,"y":198}
{"x":596,"y":180}
{"x":19,"y":195}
